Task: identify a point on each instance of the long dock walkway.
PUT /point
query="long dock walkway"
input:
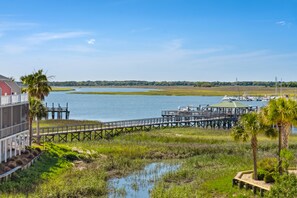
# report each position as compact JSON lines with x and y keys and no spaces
{"x":107,"y":130}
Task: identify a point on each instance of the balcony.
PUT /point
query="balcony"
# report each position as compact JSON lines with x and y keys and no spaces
{"x":5,"y":132}
{"x":13,"y":99}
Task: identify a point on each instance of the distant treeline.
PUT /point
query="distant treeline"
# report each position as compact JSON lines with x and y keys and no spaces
{"x":172,"y":83}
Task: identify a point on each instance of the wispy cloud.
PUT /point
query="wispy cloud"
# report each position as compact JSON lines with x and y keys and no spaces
{"x":6,"y":25}
{"x":281,"y":23}
{"x":49,"y":36}
{"x":91,"y":41}
{"x":13,"y":49}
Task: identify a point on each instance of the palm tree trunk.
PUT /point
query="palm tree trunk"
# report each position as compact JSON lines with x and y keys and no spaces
{"x":280,"y":130}
{"x":30,"y":131}
{"x":254,"y":143}
{"x":285,"y":135}
{"x":37,"y":129}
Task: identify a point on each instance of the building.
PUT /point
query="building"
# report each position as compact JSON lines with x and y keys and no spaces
{"x":14,"y":106}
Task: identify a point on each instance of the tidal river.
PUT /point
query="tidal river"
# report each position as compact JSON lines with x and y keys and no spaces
{"x":124,"y":107}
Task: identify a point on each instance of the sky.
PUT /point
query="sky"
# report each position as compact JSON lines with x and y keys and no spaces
{"x":154,"y":40}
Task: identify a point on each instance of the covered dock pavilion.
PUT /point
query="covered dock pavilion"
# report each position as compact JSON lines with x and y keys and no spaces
{"x":231,"y":108}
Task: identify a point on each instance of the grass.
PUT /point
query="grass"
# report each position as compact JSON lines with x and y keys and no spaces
{"x":56,"y":89}
{"x":209,"y":160}
{"x":203,"y":91}
{"x":60,"y":123}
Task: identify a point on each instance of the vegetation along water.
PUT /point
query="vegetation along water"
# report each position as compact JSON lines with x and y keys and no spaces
{"x":208,"y":160}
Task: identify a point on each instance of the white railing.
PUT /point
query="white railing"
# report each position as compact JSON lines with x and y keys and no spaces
{"x":8,"y":131}
{"x":13,"y":99}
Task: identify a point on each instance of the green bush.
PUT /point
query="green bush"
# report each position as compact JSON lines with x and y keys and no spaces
{"x":284,"y":187}
{"x":71,"y":156}
{"x":287,"y":157}
{"x":269,"y":177}
{"x":268,"y":164}
{"x":267,"y":169}
{"x":261,"y":174}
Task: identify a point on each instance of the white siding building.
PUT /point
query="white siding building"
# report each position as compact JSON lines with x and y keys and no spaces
{"x":14,"y":133}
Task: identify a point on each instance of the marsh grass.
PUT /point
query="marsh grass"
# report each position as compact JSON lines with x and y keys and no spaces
{"x":209,"y":160}
{"x":63,"y":123}
{"x":57,"y":89}
{"x":202,"y":91}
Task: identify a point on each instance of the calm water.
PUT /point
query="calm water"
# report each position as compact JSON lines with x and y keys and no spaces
{"x":124,"y":107}
{"x":140,"y":183}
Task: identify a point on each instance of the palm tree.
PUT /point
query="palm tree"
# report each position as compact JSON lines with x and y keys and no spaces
{"x":37,"y":86}
{"x":36,"y":110}
{"x":249,"y":126}
{"x":281,"y":113}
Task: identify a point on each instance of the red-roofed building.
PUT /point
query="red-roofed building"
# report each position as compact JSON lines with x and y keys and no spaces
{"x":14,"y":133}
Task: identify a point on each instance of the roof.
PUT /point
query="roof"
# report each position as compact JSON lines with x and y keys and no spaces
{"x":4,"y":78}
{"x":229,"y":104}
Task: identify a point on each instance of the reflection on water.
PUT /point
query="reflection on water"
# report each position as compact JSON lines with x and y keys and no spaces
{"x":140,"y":183}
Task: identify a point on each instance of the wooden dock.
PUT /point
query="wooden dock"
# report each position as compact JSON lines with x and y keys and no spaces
{"x":106,"y":130}
{"x":57,"y":112}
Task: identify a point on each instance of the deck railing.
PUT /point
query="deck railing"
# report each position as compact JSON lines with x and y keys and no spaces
{"x":13,"y":99}
{"x":8,"y":131}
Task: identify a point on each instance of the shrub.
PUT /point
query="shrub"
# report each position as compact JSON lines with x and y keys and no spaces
{"x":38,"y":149}
{"x":6,"y":169}
{"x":268,"y":164}
{"x":267,"y":169}
{"x":12,"y":165}
{"x":70,"y":156}
{"x":287,"y":157}
{"x":30,"y":156}
{"x":261,"y":174}
{"x":285,"y":186}
{"x":19,"y":162}
{"x":269,"y":177}
{"x":26,"y":152}
{"x":35,"y":153}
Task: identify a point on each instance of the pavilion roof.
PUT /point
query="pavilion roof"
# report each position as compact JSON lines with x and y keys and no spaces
{"x":229,"y":104}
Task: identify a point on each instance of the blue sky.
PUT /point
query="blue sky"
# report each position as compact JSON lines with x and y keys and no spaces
{"x":191,"y":40}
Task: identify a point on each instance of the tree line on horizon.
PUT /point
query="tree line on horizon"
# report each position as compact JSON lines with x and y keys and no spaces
{"x":172,"y":83}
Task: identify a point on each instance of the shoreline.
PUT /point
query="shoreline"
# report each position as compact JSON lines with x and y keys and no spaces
{"x":194,"y":91}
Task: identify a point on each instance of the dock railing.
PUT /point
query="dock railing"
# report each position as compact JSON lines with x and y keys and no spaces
{"x":127,"y":123}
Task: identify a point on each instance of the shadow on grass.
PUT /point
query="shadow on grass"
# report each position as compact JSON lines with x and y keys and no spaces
{"x":25,"y":181}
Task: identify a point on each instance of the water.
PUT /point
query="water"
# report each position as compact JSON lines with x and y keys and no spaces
{"x":124,"y":107}
{"x":140,"y":183}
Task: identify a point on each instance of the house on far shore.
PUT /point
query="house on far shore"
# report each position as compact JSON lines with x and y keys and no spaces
{"x":14,"y":127}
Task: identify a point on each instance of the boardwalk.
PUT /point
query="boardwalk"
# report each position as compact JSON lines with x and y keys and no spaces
{"x":108,"y":130}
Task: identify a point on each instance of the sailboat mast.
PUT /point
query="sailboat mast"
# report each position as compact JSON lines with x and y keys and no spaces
{"x":275,"y":86}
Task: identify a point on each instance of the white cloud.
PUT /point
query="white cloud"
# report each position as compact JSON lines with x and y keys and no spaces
{"x":49,"y":36}
{"x":91,"y":41}
{"x":13,"y":49}
{"x":281,"y":23}
{"x":7,"y":25}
